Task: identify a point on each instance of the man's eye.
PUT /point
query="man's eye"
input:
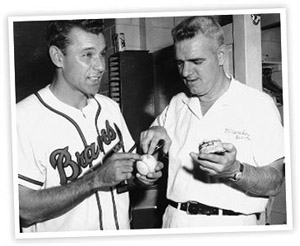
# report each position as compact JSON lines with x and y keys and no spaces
{"x":179,"y":63}
{"x":198,"y":62}
{"x":88,"y":54}
{"x":103,"y":54}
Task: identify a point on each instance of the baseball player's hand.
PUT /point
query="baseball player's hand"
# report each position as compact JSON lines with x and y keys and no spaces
{"x":115,"y":169}
{"x":150,"y":138}
{"x":151,"y":177}
{"x":219,"y":165}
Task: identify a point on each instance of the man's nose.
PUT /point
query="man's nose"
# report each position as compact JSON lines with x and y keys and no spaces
{"x":186,"y":70}
{"x":99,"y":64}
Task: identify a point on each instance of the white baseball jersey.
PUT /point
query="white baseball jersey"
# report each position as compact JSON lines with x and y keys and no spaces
{"x":57,"y":143}
{"x":244,"y":117}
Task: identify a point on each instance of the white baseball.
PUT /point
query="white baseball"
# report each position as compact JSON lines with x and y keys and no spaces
{"x":146,"y":165}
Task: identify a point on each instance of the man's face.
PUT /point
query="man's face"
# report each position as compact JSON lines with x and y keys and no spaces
{"x":198,"y":65}
{"x":84,"y":62}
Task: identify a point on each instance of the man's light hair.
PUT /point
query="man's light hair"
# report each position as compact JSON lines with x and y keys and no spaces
{"x":192,"y":26}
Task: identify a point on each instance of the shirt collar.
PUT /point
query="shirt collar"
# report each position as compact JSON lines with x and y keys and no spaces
{"x":51,"y":99}
{"x":193,"y":103}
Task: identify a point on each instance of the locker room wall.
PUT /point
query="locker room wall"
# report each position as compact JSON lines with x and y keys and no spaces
{"x":33,"y":68}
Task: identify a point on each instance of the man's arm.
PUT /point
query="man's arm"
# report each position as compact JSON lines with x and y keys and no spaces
{"x":40,"y":205}
{"x":258,"y":181}
{"x":261,"y":181}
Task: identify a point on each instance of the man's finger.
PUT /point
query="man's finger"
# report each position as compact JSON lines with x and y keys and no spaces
{"x":126,"y":156}
{"x":145,"y":140}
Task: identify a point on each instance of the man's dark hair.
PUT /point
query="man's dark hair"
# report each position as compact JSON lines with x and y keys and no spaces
{"x":206,"y":25}
{"x":57,"y":31}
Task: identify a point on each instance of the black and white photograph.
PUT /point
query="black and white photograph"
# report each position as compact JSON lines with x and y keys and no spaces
{"x":150,"y":124}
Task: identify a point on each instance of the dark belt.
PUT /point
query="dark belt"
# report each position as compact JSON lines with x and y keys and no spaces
{"x":193,"y":207}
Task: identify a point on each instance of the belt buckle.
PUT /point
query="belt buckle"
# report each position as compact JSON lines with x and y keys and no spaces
{"x":192,"y":207}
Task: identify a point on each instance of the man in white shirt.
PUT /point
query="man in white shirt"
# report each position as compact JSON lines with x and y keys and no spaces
{"x":216,"y":189}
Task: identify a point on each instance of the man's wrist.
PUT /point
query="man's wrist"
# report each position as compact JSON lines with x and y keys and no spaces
{"x":237,"y":175}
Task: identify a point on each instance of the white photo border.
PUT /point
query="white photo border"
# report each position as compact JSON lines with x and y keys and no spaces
{"x":288,"y":226}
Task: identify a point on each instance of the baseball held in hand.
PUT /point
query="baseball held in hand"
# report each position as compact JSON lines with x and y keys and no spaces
{"x":146,"y":165}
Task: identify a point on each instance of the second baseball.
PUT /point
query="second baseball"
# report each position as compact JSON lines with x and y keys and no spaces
{"x":146,"y":165}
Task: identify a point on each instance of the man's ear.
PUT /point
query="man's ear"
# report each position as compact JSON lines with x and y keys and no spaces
{"x":222,"y":54}
{"x":56,"y":56}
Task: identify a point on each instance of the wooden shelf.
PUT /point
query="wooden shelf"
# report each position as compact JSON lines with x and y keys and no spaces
{"x":270,"y":63}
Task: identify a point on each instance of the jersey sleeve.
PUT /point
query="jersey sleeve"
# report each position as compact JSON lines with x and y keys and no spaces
{"x":31,"y":173}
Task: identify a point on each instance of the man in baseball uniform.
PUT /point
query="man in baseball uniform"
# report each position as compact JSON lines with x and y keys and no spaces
{"x":224,"y":139}
{"x":73,"y":143}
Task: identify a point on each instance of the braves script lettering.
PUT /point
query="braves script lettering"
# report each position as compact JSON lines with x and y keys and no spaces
{"x":61,"y":159}
{"x":106,"y":136}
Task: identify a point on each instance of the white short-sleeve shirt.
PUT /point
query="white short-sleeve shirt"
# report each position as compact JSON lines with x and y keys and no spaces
{"x":243,"y":116}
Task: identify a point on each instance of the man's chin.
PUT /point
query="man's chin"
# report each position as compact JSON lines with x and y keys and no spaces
{"x":94,"y":89}
{"x":92,"y":93}
{"x":193,"y":93}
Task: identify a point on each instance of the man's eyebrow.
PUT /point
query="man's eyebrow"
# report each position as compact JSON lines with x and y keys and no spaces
{"x":88,"y":48}
{"x":192,"y":59}
{"x":93,"y":48}
{"x":197,"y":59}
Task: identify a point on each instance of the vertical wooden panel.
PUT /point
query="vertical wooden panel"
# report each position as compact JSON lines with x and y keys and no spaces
{"x":247,"y":51}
